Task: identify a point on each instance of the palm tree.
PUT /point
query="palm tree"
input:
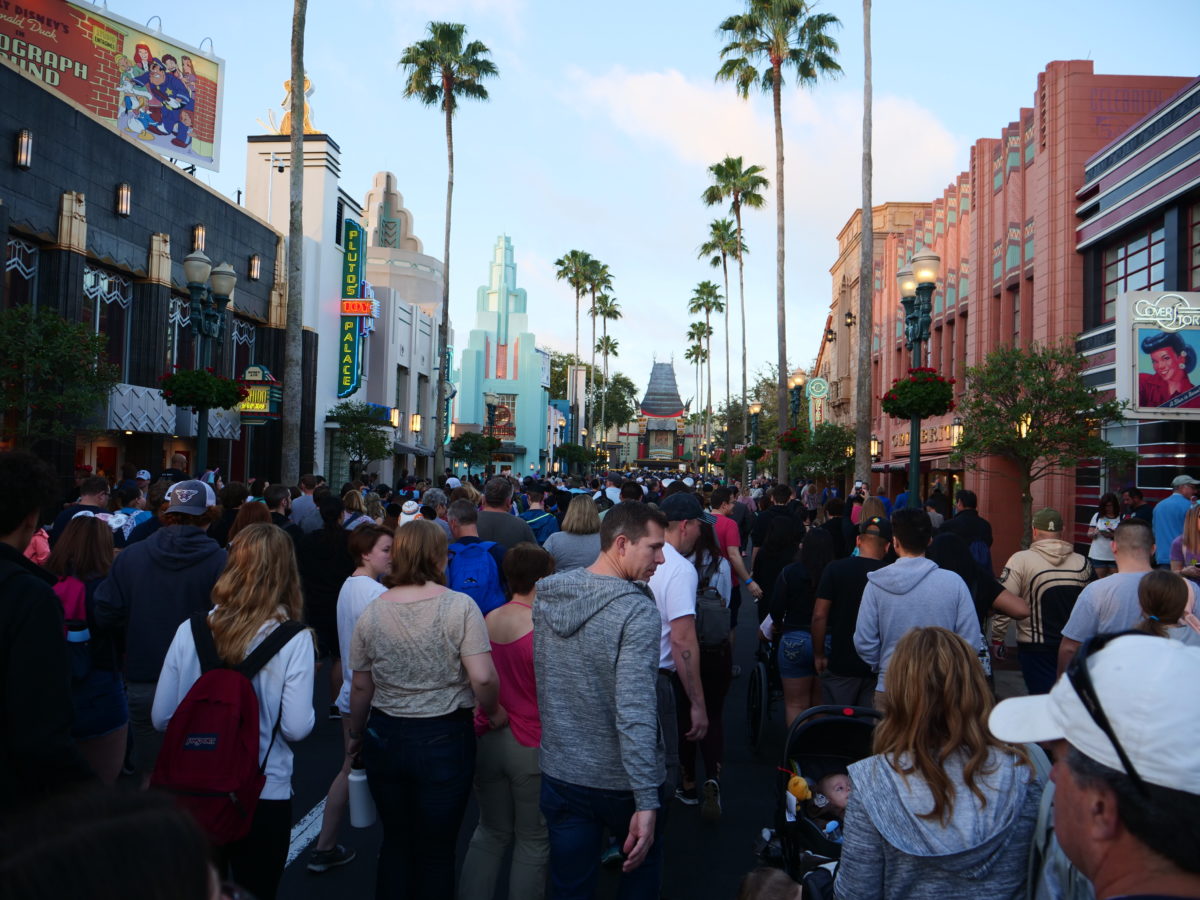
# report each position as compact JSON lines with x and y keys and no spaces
{"x":598,"y":280}
{"x":606,"y":308}
{"x":573,"y":268}
{"x":778,"y":33}
{"x":439,"y":71}
{"x":723,"y":243}
{"x":293,"y":338}
{"x":741,"y":187}
{"x":606,"y":347}
{"x":700,"y":333}
{"x":695,"y":355}
{"x":866,"y":278}
{"x":707,"y":299}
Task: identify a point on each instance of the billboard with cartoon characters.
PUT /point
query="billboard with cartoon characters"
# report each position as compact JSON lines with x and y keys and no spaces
{"x":153,"y":89}
{"x":1158,"y":337}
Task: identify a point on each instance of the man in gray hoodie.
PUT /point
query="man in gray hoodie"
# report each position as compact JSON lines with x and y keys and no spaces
{"x":911,"y":592}
{"x":595,"y":654}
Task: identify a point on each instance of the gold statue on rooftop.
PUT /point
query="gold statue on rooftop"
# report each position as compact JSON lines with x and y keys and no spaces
{"x":285,"y":124}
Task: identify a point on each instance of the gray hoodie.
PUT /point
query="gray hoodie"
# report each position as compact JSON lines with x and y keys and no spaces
{"x":595,"y":657}
{"x":910,"y":593}
{"x":980,"y":852}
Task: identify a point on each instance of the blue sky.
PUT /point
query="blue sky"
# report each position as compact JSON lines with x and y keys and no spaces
{"x":605,"y":117}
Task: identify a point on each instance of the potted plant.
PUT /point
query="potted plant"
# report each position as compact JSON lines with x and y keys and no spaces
{"x":794,"y":440}
{"x":922,"y":395}
{"x":754,"y":452}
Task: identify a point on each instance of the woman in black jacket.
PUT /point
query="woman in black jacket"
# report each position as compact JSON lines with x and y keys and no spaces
{"x":324,"y":564}
{"x":792,"y":603}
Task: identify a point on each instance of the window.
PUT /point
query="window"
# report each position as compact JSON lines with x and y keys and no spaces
{"x":20,"y":273}
{"x":338,"y":219}
{"x":1133,"y":265}
{"x":1194,"y":245}
{"x":107,"y":296}
{"x":1016,"y":317}
{"x":181,"y":343}
{"x":242,"y":337}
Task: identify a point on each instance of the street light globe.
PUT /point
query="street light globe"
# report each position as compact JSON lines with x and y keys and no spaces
{"x":196,"y":267}
{"x":224,"y":280}
{"x":755,"y":409}
{"x":926,"y":266}
{"x":906,"y":282}
{"x":491,"y":398}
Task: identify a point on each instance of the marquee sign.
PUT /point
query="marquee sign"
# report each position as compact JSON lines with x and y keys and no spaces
{"x":265,"y":394}
{"x":358,"y":308}
{"x":1158,"y":339}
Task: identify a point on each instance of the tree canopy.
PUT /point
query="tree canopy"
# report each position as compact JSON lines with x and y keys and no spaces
{"x":473,"y":448}
{"x":361,"y":432}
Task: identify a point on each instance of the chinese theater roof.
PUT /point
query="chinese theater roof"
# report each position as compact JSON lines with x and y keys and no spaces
{"x":662,"y":396}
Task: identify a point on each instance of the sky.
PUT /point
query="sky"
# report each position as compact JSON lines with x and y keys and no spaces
{"x":605,"y":117}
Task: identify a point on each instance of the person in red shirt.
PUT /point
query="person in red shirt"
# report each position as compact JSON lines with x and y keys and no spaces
{"x":730,"y":542}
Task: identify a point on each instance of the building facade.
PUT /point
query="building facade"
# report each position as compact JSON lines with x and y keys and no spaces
{"x":501,"y":357}
{"x":1006,"y":233}
{"x":96,"y":228}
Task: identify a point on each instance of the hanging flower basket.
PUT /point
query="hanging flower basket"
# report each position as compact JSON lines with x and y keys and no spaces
{"x":923,"y":394}
{"x":201,"y":389}
{"x":793,"y":440}
{"x":754,"y":452}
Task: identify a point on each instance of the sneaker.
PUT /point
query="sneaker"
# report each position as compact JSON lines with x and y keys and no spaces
{"x":711,"y":810}
{"x":324,"y":860}
{"x":335,"y":713}
{"x":687,"y":796}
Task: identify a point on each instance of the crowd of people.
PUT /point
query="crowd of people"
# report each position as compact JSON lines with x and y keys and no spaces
{"x":562,"y":650}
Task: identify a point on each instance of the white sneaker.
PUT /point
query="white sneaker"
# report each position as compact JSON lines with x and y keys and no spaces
{"x":710,"y":809}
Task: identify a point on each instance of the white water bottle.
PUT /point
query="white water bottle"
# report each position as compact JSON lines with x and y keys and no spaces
{"x":362,"y":804}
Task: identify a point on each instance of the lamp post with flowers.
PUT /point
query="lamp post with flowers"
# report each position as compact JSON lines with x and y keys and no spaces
{"x":917,"y":281}
{"x":202,"y":389}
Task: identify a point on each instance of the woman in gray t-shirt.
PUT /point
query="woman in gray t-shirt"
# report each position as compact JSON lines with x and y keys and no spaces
{"x":578,"y":544}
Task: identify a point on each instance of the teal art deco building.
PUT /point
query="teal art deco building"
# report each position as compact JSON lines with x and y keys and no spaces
{"x":502,"y":363}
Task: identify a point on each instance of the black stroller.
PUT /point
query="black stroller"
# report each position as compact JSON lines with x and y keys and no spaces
{"x":822,"y":741}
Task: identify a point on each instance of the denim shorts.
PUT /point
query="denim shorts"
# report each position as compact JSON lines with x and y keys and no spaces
{"x":796,"y":654}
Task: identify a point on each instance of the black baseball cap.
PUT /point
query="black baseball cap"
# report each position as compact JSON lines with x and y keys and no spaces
{"x":682,"y":506}
{"x":876,"y":525}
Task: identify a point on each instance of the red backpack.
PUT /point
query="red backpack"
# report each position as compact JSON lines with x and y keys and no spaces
{"x":209,"y":757}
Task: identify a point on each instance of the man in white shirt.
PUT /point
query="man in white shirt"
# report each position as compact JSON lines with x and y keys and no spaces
{"x":674,"y":586}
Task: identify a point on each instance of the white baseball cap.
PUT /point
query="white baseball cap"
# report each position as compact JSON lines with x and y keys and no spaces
{"x":1137,"y":679}
{"x":409,"y":511}
{"x":453,"y":483}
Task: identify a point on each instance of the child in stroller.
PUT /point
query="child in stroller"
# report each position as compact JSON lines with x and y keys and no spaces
{"x":813,"y":784}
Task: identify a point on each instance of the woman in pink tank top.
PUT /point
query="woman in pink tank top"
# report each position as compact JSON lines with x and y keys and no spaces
{"x":508,"y":779}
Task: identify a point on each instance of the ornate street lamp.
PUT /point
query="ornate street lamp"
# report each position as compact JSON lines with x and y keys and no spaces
{"x":874,"y":447}
{"x":796,"y":385}
{"x":491,"y":400}
{"x":755,"y":410}
{"x":209,"y":290}
{"x":917,"y":282}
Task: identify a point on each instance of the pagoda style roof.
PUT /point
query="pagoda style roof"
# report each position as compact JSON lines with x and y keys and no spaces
{"x":662,"y":396}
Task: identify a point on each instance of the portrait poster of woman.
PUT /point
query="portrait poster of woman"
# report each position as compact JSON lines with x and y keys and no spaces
{"x":1166,"y":361}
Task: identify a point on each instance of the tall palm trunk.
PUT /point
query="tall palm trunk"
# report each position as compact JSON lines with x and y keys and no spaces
{"x":293,"y":341}
{"x":866,"y":278}
{"x":725,"y":273}
{"x":781,"y":385}
{"x":573,"y":399}
{"x":708,"y":354}
{"x":737,"y":215}
{"x":592,"y":376}
{"x":441,"y":413}
{"x":604,"y":396}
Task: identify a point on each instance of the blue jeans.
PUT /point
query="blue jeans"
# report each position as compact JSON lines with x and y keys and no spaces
{"x":1039,"y":669}
{"x":576,"y":817}
{"x":420,"y":773}
{"x":796,"y":654}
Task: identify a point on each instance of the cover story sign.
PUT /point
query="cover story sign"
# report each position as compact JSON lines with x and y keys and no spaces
{"x":1158,"y":338}
{"x":153,"y":89}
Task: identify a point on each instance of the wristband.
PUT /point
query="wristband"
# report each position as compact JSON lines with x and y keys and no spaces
{"x":748,"y":581}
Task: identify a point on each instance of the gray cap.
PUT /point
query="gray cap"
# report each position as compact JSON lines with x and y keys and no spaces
{"x":1181,"y":480}
{"x":682,"y":506}
{"x":192,"y":498}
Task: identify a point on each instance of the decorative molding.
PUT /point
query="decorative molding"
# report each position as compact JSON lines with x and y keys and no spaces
{"x":132,"y":407}
{"x":72,"y":222}
{"x":158,"y":261}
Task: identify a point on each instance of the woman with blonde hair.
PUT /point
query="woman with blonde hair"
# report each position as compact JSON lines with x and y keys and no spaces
{"x":356,"y":509}
{"x":577,"y":545}
{"x":100,"y":724}
{"x":422,"y":663}
{"x":258,"y":592}
{"x":943,"y":808}
{"x":1185,"y":549}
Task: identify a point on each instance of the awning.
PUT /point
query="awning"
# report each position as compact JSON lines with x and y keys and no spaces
{"x":403,"y":448}
{"x":940,"y":463}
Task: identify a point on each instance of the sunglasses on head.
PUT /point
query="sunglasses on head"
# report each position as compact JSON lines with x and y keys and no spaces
{"x":1081,"y":681}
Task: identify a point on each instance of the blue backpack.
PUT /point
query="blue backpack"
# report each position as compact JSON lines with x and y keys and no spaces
{"x":473,"y":571}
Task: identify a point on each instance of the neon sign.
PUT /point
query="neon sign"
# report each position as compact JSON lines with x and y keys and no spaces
{"x":349,"y":333}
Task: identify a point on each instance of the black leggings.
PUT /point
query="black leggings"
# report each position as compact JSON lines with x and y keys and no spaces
{"x":256,"y":861}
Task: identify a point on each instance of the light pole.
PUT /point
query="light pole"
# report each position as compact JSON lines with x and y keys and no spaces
{"x":917,"y":281}
{"x":491,"y":400}
{"x":755,"y":410}
{"x":207,"y":316}
{"x":796,"y":393}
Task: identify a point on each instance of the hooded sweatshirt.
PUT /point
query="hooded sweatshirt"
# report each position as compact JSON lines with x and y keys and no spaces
{"x":980,"y":851}
{"x":1049,"y":576}
{"x":595,"y":657}
{"x":910,"y":593}
{"x":152,"y":587}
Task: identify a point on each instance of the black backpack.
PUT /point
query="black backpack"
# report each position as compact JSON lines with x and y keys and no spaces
{"x":713,"y":623}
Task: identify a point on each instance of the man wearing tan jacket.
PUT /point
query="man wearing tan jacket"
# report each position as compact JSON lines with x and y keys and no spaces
{"x":1049,"y":577}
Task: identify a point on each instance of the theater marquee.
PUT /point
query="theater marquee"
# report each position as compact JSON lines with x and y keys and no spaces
{"x":1158,"y":339}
